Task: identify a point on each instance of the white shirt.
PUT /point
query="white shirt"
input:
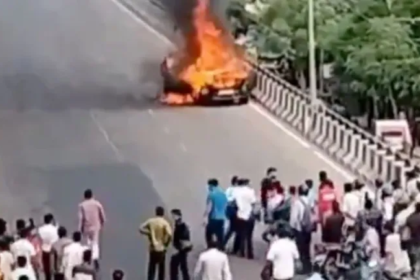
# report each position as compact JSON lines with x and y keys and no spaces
{"x":401,"y":218}
{"x":297,"y":210}
{"x":72,"y":256}
{"x":230,"y":193}
{"x":396,"y":259}
{"x":212,"y":265}
{"x":23,"y":271}
{"x":283,"y":253}
{"x":245,"y":199}
{"x":22,"y":247}
{"x":412,"y":190}
{"x":6,"y":264}
{"x":388,"y":208}
{"x":49,"y":235}
{"x":351,"y":207}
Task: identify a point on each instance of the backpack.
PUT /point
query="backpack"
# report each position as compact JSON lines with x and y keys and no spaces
{"x":307,"y":223}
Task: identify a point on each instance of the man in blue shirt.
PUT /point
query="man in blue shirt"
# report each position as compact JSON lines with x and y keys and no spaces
{"x":215,"y":215}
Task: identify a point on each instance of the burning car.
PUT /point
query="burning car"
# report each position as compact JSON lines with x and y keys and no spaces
{"x":208,"y":68}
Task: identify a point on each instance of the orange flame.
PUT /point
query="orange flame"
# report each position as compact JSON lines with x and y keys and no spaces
{"x":212,"y":57}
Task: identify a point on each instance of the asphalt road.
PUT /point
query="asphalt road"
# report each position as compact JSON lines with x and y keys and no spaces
{"x":68,"y":72}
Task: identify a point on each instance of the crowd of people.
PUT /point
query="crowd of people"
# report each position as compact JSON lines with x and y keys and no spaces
{"x":383,"y":219}
{"x":48,"y":251}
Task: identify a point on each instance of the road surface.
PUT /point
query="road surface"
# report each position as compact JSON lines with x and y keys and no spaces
{"x":68,"y":71}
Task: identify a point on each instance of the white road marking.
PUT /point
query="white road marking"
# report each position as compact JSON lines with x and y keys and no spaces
{"x":259,"y":110}
{"x":108,"y":140}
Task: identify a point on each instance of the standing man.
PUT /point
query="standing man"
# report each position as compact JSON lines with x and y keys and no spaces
{"x":159,"y":234}
{"x":231,"y":210}
{"x":212,"y":264}
{"x":245,"y":198}
{"x":48,"y":233}
{"x":326,"y":196}
{"x":268,"y":184}
{"x":86,"y":270}
{"x":91,"y":221}
{"x":215,"y":214}
{"x":58,"y":253}
{"x":281,"y":258}
{"x":183,"y":246}
{"x":73,"y":255}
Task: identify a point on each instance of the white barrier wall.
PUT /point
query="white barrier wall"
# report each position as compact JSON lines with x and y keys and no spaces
{"x":363,"y":154}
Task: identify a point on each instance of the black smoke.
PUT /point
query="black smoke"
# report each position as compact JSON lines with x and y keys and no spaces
{"x":181,"y":13}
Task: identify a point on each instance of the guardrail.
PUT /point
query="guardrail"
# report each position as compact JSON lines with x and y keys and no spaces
{"x":363,"y":154}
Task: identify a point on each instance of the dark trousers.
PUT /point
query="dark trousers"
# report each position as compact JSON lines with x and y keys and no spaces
{"x":179,"y":262}
{"x":215,"y":229}
{"x":156,"y":262}
{"x":303,"y":243}
{"x":243,"y":241}
{"x":46,"y":265}
{"x":58,"y":276}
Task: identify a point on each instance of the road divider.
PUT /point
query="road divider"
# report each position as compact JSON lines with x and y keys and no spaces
{"x":363,"y":154}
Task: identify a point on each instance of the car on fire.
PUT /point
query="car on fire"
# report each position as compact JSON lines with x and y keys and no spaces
{"x":208,"y":95}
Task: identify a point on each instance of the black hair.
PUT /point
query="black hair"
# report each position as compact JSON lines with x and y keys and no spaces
{"x":77,"y":236}
{"x":159,"y":211}
{"x":176,"y":212}
{"x":368,"y":203}
{"x":20,"y":224}
{"x":21,"y":261}
{"x":3,"y":226}
{"x":357,"y":185}
{"x":48,"y":218}
{"x":23,"y":277}
{"x":348,"y":187}
{"x":88,"y":194}
{"x":271,"y":170}
{"x":62,"y":232}
{"x":117,"y":274}
{"x":87,"y":255}
{"x":234,"y":180}
{"x":4,"y":245}
{"x":213,"y":182}
{"x":302,"y":191}
{"x":309,"y":182}
{"x":418,"y":207}
{"x":292,"y":190}
{"x":323,"y":176}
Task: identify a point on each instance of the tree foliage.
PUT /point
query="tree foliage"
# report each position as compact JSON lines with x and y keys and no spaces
{"x":373,"y":45}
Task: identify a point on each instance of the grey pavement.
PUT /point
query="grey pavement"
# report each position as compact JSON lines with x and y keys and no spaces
{"x":68,"y":121}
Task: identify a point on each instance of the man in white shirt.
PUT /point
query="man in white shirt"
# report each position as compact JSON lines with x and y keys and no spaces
{"x":23,"y":247}
{"x":351,"y":205}
{"x":73,"y":255}
{"x":6,"y":260}
{"x":212,"y":264}
{"x":245,"y":199}
{"x":281,"y":258}
{"x":48,"y":233}
{"x":23,"y":269}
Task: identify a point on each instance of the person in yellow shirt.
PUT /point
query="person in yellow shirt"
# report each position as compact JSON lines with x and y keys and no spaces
{"x":159,"y":233}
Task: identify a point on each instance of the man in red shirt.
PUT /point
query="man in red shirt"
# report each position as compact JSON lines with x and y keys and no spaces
{"x":326,"y":197}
